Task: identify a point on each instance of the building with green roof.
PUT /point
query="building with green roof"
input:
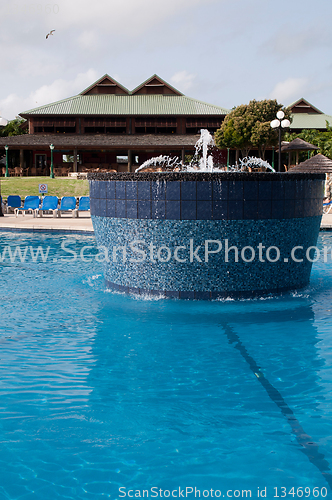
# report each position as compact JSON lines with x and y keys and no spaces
{"x":107,"y":126}
{"x":307,"y":116}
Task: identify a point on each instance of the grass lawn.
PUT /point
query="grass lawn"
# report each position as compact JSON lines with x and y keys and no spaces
{"x":60,"y":186}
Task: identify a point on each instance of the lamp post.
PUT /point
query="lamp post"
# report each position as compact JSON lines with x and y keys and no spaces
{"x":280,"y":123}
{"x":1,"y":212}
{"x":7,"y":172}
{"x":52,"y":173}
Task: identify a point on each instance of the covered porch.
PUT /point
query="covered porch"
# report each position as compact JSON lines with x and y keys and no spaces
{"x":31,"y":155}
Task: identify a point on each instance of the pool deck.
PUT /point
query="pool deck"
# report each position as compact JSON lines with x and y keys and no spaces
{"x":82,"y":224}
{"x":65,"y":223}
{"x":326,"y":224}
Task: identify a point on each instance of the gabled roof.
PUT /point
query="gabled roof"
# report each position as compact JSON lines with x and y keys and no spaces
{"x":306,"y":116}
{"x":107,"y":97}
{"x":105,"y":85}
{"x":153,"y":83}
{"x":310,"y":121}
{"x":125,"y":105}
{"x":303,"y":106}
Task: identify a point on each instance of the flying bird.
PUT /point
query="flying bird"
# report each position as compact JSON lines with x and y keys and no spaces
{"x":50,"y":33}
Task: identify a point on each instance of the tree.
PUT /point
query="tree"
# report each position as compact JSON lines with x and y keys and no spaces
{"x":235,"y":131}
{"x":13,"y":127}
{"x":322,"y":139}
{"x":248,"y":127}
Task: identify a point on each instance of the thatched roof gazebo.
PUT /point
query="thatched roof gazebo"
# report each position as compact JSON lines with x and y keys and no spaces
{"x":297,"y":145}
{"x":316,"y":164}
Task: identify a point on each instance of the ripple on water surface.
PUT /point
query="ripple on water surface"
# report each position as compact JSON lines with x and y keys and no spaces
{"x":101,"y":390}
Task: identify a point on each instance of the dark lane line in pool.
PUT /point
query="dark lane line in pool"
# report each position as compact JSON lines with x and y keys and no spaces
{"x":309,"y":447}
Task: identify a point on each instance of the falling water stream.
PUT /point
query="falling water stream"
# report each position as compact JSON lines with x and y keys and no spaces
{"x":202,"y":161}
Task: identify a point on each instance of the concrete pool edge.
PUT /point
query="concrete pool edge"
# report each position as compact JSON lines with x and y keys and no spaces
{"x":28,"y":223}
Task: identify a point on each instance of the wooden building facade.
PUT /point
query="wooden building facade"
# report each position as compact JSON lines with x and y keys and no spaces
{"x":107,"y":127}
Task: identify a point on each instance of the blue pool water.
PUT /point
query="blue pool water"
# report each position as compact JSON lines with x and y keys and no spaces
{"x":102,"y":391}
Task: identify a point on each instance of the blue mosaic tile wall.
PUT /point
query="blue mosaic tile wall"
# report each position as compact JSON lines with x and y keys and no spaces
{"x":206,"y":200}
{"x":167,"y":214}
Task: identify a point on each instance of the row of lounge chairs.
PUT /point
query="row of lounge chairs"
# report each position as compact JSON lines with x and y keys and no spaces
{"x":49,"y":204}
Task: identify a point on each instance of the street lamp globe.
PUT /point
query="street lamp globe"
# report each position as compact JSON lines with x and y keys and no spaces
{"x":280,"y":115}
{"x":275,"y":123}
{"x":285,"y":123}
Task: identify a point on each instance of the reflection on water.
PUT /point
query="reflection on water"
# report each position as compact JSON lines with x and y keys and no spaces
{"x":101,"y":391}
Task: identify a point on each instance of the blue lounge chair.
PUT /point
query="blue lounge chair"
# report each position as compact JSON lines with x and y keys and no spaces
{"x":13,"y":201}
{"x":30,"y":205}
{"x":83,"y":205}
{"x":327,"y":207}
{"x":49,"y":204}
{"x":67,"y":204}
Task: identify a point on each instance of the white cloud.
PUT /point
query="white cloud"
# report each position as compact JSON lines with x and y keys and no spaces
{"x":110,"y":35}
{"x":60,"y":88}
{"x":89,"y":40}
{"x":132,"y":39}
{"x":183,"y":80}
{"x":8,"y":106}
{"x":129,"y":17}
{"x":290,"y":88}
{"x":290,"y":43}
{"x":13,"y":104}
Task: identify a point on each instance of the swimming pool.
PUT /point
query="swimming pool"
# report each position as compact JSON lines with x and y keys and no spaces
{"x":105,"y":395}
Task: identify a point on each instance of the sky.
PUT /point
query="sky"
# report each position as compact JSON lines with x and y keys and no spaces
{"x":223,"y":52}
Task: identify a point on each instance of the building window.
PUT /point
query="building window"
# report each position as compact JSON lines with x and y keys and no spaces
{"x":155,"y":125}
{"x":70,"y":158}
{"x":122,"y":159}
{"x":194,"y":125}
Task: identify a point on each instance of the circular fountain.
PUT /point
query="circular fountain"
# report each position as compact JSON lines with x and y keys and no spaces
{"x":206,"y":234}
